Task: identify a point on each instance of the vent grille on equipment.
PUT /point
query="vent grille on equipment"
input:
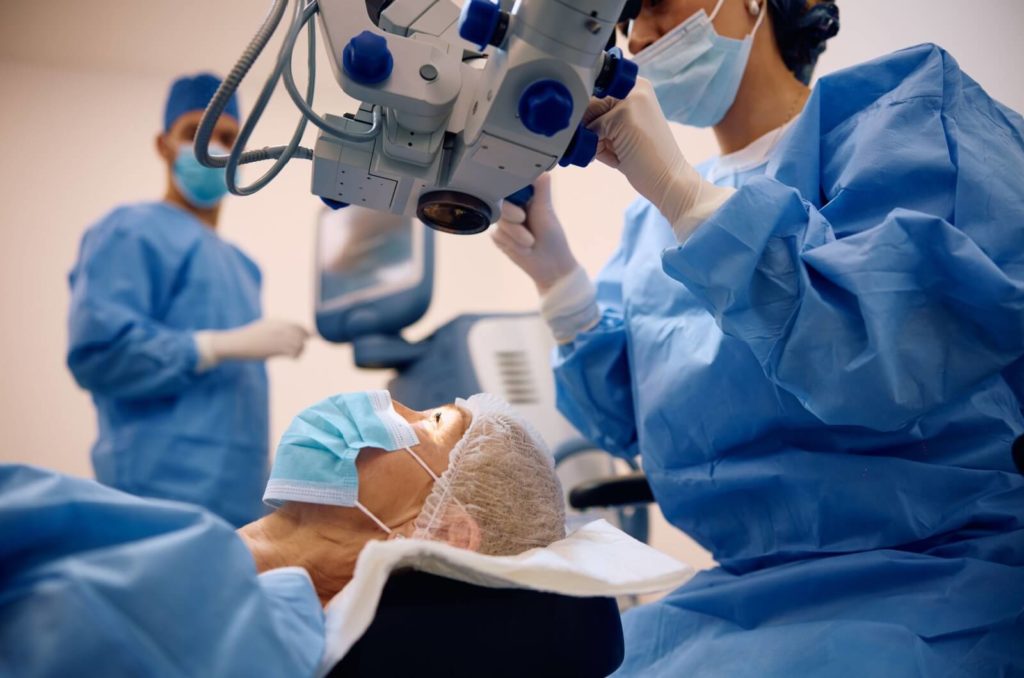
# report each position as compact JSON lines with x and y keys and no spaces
{"x":516,"y":381}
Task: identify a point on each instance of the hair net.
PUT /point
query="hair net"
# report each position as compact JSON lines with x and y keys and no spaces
{"x":501,"y":474}
{"x":802,"y":27}
{"x":193,"y":93}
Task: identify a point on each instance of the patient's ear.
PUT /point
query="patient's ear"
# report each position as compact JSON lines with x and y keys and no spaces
{"x":460,"y":529}
{"x":405,"y":530}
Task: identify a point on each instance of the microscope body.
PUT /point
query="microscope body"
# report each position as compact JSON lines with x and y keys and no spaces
{"x":461,"y":130}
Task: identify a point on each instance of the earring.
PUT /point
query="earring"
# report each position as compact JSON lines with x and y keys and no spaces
{"x":753,"y":7}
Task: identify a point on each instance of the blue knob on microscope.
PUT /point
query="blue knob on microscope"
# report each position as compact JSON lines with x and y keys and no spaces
{"x":367,"y":59}
{"x":478,"y":21}
{"x":582,"y":148}
{"x":617,"y":77}
{"x":546,"y":107}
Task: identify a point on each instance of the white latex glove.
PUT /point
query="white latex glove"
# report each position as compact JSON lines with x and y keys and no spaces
{"x":635,"y":138}
{"x":258,"y":340}
{"x":534,"y":239}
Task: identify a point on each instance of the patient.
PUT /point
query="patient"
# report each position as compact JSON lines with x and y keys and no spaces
{"x":359,"y":467}
{"x":175,"y":587}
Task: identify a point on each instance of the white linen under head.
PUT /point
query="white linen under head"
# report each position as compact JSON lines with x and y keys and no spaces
{"x":595,"y":560}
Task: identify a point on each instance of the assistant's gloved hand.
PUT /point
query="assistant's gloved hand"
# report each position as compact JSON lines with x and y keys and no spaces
{"x":635,"y":138}
{"x":258,"y":340}
{"x":534,"y":239}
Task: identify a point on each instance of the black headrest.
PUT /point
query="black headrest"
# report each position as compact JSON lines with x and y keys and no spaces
{"x":433,"y":626}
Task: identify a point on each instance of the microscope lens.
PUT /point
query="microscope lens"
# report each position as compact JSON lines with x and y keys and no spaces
{"x":454,"y":212}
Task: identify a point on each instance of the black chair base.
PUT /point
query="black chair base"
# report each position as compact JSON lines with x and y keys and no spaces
{"x":433,"y":626}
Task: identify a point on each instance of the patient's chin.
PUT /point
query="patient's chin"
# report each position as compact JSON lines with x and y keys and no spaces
{"x":328,"y":518}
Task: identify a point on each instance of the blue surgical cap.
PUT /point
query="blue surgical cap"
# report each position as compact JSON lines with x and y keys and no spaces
{"x":193,"y":93}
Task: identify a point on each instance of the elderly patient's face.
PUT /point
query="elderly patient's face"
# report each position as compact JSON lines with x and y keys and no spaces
{"x":391,"y":484}
{"x":326,"y":540}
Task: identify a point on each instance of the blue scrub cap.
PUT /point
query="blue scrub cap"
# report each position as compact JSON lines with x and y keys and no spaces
{"x":802,"y":27}
{"x":193,"y":93}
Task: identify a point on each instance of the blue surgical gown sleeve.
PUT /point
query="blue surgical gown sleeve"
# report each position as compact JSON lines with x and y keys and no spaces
{"x":592,"y":377}
{"x":894,"y":281}
{"x":119,"y":286}
{"x":98,"y":582}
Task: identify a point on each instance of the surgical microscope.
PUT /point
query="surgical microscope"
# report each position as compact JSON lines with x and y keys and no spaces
{"x":459,"y":109}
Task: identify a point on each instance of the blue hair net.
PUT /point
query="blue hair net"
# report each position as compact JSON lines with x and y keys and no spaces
{"x":193,"y":93}
{"x":802,"y":27}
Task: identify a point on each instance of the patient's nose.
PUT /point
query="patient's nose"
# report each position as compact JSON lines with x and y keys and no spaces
{"x":410,"y":415}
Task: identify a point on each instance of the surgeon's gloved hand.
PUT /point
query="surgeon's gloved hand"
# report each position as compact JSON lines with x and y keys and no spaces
{"x":258,"y":340}
{"x":634,"y":137}
{"x":534,"y":238}
{"x":535,"y":241}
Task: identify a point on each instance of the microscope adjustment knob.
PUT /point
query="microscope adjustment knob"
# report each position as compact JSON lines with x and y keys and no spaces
{"x":582,"y":148}
{"x":333,"y":204}
{"x":479,"y":22}
{"x":367,"y":59}
{"x":546,"y":107}
{"x":617,"y":77}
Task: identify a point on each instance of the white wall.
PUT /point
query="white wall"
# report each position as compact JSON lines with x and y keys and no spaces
{"x":83,"y":89}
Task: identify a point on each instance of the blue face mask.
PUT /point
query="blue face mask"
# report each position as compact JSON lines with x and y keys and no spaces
{"x":315,"y":461}
{"x":202,"y":187}
{"x":695,"y":71}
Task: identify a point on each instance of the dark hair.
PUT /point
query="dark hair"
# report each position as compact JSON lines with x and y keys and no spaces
{"x":802,"y":27}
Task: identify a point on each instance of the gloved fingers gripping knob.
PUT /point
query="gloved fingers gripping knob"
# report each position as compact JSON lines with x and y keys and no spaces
{"x":521,"y":197}
{"x":533,"y":237}
{"x":617,"y":77}
{"x":511,"y":234}
{"x":512,"y":231}
{"x":581,"y":150}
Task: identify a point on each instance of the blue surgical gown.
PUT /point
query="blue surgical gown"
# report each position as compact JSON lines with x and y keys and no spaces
{"x":96,"y":582}
{"x":822,"y":384}
{"x":147,"y":277}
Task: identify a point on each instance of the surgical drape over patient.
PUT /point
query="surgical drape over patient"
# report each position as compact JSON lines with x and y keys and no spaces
{"x":96,"y":582}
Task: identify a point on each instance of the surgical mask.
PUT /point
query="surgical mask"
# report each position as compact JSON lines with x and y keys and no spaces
{"x":696,"y":72}
{"x":203,"y":187}
{"x":316,"y":458}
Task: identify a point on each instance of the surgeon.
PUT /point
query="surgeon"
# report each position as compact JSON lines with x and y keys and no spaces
{"x":814,"y":340}
{"x":125,"y":586}
{"x":165,"y":331}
